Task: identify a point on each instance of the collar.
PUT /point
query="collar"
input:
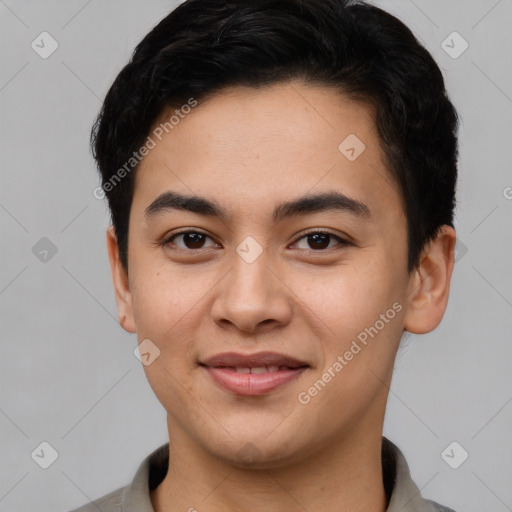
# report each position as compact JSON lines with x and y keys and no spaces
{"x":403,"y":494}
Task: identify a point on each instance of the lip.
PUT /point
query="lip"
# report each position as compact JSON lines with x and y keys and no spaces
{"x":253,"y":360}
{"x":252,"y":384}
{"x":222,"y":369}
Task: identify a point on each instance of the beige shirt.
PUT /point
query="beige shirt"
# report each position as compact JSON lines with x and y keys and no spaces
{"x":404,"y":495}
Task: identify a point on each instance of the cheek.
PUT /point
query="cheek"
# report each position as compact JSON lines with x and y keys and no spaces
{"x":167,"y":311}
{"x":163,"y":298}
{"x":345,"y":299}
{"x":356,"y":315}
{"x":357,"y":322}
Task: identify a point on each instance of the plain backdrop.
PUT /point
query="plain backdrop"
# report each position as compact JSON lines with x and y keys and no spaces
{"x":67,"y":369}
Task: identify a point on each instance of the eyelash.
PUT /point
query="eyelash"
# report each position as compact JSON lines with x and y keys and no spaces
{"x":341,"y":241}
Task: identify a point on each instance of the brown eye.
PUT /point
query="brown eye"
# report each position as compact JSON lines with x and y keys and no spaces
{"x":189,"y":240}
{"x":320,"y":240}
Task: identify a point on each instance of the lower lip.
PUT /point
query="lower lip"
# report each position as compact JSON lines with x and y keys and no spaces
{"x":252,"y":384}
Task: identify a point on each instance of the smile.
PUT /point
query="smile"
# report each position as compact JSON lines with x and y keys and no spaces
{"x":255,"y":381}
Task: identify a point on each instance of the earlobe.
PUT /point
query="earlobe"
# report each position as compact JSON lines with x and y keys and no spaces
{"x":121,"y":284}
{"x":429,"y":285}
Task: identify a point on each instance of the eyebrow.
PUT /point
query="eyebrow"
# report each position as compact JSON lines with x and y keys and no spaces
{"x":304,"y":205}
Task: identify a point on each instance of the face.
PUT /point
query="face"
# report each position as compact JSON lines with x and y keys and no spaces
{"x":295,"y":246}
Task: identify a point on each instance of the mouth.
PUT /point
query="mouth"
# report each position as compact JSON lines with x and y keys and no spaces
{"x":253,"y":374}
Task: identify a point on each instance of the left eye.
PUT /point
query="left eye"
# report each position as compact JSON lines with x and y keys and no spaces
{"x":190,"y":239}
{"x":320,"y":240}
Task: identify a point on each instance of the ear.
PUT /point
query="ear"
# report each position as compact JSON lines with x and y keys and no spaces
{"x":429,"y":284}
{"x":121,"y":283}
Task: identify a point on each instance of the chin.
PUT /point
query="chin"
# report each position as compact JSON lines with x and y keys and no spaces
{"x":257,"y":450}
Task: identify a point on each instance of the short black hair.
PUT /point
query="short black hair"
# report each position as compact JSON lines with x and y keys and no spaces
{"x":203,"y":46}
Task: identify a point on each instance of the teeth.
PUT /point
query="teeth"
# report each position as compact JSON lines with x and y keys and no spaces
{"x":260,"y":369}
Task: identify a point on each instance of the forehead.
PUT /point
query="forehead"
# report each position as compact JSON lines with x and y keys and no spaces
{"x":246,"y":146}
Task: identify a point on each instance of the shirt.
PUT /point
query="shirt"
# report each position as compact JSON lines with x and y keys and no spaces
{"x":403,"y":494}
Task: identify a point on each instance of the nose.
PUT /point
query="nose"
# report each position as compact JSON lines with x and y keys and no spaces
{"x":252,"y":297}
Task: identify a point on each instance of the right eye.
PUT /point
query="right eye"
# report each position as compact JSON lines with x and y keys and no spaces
{"x":190,"y":240}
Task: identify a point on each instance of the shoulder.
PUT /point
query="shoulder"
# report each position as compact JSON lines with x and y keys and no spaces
{"x":404,"y":494}
{"x":111,"y":502}
{"x":135,"y":495}
{"x":436,"y":507}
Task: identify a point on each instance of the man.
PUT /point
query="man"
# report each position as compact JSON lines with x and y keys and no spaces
{"x":281,"y":176}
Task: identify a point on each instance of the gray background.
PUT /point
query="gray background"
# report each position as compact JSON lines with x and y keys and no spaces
{"x":68,"y":373}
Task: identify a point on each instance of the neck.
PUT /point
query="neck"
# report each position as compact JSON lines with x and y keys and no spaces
{"x":347,"y":476}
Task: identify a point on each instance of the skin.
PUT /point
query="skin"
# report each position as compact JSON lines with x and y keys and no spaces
{"x":249,"y":150}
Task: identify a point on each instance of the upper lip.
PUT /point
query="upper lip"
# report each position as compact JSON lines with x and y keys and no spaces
{"x":255,"y":360}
